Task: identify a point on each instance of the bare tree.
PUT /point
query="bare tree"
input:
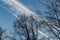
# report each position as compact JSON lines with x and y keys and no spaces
{"x":1,"y":33}
{"x":21,"y":28}
{"x":53,"y":11}
{"x":27,"y":24}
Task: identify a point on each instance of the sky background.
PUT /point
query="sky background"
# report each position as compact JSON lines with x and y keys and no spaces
{"x":6,"y":18}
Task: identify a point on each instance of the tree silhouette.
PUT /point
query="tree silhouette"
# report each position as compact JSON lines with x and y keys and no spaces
{"x":1,"y":33}
{"x":25,"y":26}
{"x":53,"y":15}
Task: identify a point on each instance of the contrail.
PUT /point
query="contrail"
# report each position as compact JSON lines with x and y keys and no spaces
{"x":20,"y":7}
{"x":18,"y":19}
{"x":26,"y":11}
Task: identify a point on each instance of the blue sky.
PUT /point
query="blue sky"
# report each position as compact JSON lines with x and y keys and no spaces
{"x":34,"y":5}
{"x":6,"y":18}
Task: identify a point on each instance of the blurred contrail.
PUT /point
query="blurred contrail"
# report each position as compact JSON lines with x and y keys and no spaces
{"x":18,"y":19}
{"x":20,"y":7}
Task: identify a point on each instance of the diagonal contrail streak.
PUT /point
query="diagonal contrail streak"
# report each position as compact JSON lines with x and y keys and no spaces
{"x":18,"y":19}
{"x":20,"y":7}
{"x":26,"y":11}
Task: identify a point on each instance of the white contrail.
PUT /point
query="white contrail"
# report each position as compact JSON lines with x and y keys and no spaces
{"x":19,"y":6}
{"x":26,"y":11}
{"x":18,"y":19}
